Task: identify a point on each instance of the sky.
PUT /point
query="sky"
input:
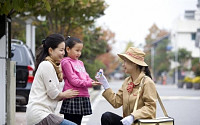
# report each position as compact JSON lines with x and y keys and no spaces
{"x":130,"y":20}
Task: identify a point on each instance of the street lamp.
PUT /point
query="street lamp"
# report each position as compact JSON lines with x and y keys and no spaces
{"x":176,"y":58}
{"x":152,"y":60}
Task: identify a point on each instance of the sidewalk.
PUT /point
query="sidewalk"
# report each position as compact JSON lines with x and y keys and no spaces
{"x":20,"y":117}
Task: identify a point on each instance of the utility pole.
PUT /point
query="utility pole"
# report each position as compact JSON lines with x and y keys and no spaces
{"x":176,"y":61}
{"x":197,"y":41}
{"x":152,"y":60}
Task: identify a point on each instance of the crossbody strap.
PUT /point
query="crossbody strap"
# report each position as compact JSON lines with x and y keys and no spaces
{"x":159,"y":100}
{"x":161,"y":105}
{"x":136,"y":102}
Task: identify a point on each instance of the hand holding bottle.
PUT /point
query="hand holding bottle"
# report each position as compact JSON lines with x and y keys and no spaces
{"x":102,"y":79}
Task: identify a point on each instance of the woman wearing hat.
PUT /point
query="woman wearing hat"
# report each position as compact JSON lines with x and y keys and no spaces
{"x":139,"y":75}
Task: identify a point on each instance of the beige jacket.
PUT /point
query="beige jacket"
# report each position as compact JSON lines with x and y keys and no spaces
{"x":147,"y":100}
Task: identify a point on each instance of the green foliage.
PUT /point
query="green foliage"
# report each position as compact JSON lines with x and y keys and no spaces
{"x":93,"y":46}
{"x":41,"y":34}
{"x":195,"y":61}
{"x":196,"y":66}
{"x":18,"y":32}
{"x":161,"y":62}
{"x":93,"y":67}
{"x":66,"y":16}
{"x":183,"y":55}
{"x":8,"y":7}
{"x":47,"y":4}
{"x":171,"y":55}
{"x":180,"y":80}
{"x":148,"y":59}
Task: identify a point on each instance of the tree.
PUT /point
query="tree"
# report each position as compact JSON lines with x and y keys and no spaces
{"x":196,"y":66}
{"x":66,"y":16}
{"x":94,"y":45}
{"x":96,"y":52}
{"x":154,"y":34}
{"x":155,"y":39}
{"x":161,"y":60}
{"x":110,"y":61}
{"x":183,"y":57}
{"x":9,"y":7}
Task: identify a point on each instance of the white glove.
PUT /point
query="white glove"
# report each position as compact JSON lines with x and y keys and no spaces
{"x":128,"y":120}
{"x":102,"y":79}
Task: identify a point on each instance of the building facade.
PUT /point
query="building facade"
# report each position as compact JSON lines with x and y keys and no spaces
{"x":183,"y":34}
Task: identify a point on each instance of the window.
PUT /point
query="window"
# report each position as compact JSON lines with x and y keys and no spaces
{"x":193,"y":36}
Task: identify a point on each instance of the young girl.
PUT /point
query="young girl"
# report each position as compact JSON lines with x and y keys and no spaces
{"x":126,"y":96}
{"x":76,"y":77}
{"x":45,"y":91}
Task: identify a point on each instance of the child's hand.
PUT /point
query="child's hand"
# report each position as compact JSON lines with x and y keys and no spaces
{"x":95,"y":83}
{"x":102,"y":79}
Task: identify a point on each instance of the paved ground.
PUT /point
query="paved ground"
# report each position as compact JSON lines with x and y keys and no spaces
{"x":20,"y":115}
{"x":181,"y":104}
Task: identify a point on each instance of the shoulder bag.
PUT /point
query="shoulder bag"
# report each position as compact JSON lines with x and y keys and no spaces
{"x":157,"y":121}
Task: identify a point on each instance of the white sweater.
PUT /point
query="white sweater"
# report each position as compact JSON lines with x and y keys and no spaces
{"x":45,"y":88}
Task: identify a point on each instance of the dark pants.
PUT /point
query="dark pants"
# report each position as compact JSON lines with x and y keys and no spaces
{"x":76,"y":118}
{"x":109,"y":118}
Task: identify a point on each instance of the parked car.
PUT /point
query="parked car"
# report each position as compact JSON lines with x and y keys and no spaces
{"x":24,"y":70}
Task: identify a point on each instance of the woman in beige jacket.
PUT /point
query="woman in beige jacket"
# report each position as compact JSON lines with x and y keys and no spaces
{"x":138,"y":70}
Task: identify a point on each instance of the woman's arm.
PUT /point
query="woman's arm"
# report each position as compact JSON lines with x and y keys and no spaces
{"x":115,"y":99}
{"x":49,"y":79}
{"x":67,"y":94}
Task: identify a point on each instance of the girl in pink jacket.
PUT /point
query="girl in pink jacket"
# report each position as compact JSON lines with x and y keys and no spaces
{"x":76,"y":78}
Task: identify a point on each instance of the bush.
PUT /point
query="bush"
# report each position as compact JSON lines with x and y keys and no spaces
{"x":180,"y":80}
{"x":187,"y":79}
{"x":93,"y":68}
{"x":196,"y":80}
{"x":196,"y":66}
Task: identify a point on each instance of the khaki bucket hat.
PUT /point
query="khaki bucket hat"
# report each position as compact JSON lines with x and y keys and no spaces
{"x":134,"y":55}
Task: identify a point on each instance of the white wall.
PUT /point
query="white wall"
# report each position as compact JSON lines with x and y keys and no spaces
{"x":184,"y":41}
{"x":181,"y":35}
{"x":3,"y":80}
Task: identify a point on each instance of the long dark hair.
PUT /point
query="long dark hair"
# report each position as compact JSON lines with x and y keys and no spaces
{"x":146,"y":70}
{"x":71,"y":42}
{"x":51,"y":41}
